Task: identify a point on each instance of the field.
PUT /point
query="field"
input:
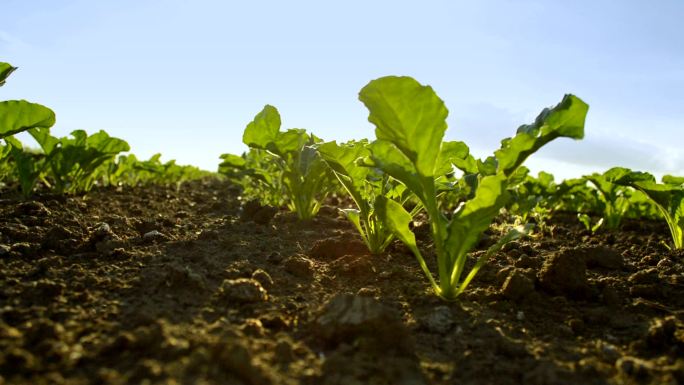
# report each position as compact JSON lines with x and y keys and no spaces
{"x":401,"y":260}
{"x":223,"y":295}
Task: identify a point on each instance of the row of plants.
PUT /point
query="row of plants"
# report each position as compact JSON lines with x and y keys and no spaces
{"x":74,"y":163}
{"x":409,"y":168}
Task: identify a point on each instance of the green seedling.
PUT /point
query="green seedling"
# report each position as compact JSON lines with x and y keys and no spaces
{"x":410,"y":121}
{"x":301,"y":171}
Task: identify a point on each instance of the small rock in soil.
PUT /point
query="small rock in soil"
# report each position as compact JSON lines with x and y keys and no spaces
{"x":565,"y":273}
{"x":440,"y":320}
{"x":275,"y":258}
{"x":368,"y":292}
{"x":32,"y":208}
{"x":244,"y":364}
{"x":354,"y":266}
{"x":243,"y":290}
{"x":264,"y":215}
{"x":25,"y":249}
{"x":517,"y":285}
{"x":154,"y":236}
{"x":4,"y":250}
{"x":527,"y":262}
{"x":299,"y":266}
{"x":144,"y":226}
{"x":253,"y":211}
{"x":253,"y":327}
{"x":263,"y":278}
{"x":661,"y":334}
{"x":576,"y":325}
{"x":645,"y":276}
{"x":634,"y":367}
{"x":601,"y":256}
{"x":345,"y":318}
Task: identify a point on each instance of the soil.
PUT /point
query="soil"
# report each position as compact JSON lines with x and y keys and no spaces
{"x":158,"y":286}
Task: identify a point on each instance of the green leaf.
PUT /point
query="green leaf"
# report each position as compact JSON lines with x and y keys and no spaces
{"x":473,"y":219}
{"x":342,"y":160}
{"x":231,"y":160}
{"x":290,"y":141}
{"x":397,"y":219}
{"x":46,"y":141}
{"x":395,"y":163}
{"x":455,"y":154}
{"x":105,"y":144}
{"x":409,"y":115}
{"x":673,"y":180}
{"x":19,"y":115}
{"x":669,"y":198}
{"x":564,"y":120}
{"x":5,"y":70}
{"x":263,"y":129}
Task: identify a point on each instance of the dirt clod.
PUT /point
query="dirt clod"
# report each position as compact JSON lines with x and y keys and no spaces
{"x":601,"y":257}
{"x":440,"y":320}
{"x":299,"y":266}
{"x":565,"y":273}
{"x":242,"y":290}
{"x":345,"y":318}
{"x":517,"y":285}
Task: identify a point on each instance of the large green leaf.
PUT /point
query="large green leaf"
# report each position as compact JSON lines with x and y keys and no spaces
{"x":19,"y":115}
{"x":564,"y":120}
{"x":342,"y":159}
{"x":674,"y":180}
{"x":397,"y":219}
{"x":387,"y":157}
{"x":5,"y":70}
{"x":455,"y":154}
{"x":105,"y":144}
{"x":263,"y":129}
{"x":410,"y":116}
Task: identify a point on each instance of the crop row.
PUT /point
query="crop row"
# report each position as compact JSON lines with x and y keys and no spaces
{"x":408,"y":170}
{"x":71,"y":164}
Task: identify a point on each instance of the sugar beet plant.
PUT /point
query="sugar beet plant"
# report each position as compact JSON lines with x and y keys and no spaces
{"x":365,"y":185}
{"x":410,"y":121}
{"x":668,"y":197}
{"x":301,"y":171}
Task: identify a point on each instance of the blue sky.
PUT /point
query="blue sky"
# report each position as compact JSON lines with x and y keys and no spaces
{"x":184,"y":77}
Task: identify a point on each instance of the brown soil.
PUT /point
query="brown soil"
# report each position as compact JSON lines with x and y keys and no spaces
{"x":158,"y":286}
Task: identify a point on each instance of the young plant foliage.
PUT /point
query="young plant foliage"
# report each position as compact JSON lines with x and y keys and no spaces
{"x":303,"y":173}
{"x":410,"y":121}
{"x":366,"y":186}
{"x":668,"y":196}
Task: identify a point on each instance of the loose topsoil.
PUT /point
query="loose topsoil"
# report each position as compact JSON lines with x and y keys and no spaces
{"x":158,"y":286}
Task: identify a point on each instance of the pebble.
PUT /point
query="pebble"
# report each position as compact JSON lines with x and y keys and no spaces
{"x":243,"y":290}
{"x":263,"y":278}
{"x":299,"y":266}
{"x":645,"y":276}
{"x":440,"y":320}
{"x":633,"y":366}
{"x":154,"y":235}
